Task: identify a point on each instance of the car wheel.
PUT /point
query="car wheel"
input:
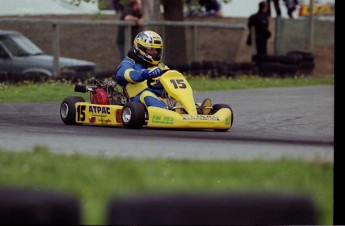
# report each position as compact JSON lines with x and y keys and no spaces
{"x":133,"y":115}
{"x":217,"y":107}
{"x":68,"y":111}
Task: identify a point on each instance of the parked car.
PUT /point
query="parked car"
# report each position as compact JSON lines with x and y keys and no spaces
{"x":21,"y":59}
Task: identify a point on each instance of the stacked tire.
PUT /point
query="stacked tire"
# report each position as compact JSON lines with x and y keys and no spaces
{"x":216,"y":69}
{"x":292,"y":64}
{"x":306,"y":61}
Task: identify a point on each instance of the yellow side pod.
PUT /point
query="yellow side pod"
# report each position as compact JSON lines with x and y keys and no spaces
{"x":95,"y":114}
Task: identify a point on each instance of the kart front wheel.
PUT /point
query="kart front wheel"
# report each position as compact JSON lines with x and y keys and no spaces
{"x":67,"y":109}
{"x":133,"y":115}
{"x":216,"y":108}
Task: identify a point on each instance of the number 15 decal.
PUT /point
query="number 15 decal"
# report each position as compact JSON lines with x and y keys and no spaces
{"x":178,"y":83}
{"x":81,"y":113}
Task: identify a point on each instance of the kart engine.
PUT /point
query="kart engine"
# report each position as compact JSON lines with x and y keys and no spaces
{"x":118,"y":98}
{"x":100,"y":96}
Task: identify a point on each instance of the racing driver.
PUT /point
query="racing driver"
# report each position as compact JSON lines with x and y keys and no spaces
{"x":143,"y":61}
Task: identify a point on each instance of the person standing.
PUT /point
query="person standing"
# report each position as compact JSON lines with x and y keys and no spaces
{"x":258,"y":24}
{"x":131,"y":12}
{"x":117,"y":6}
{"x":291,"y":7}
{"x":212,"y":7}
{"x":276,"y":7}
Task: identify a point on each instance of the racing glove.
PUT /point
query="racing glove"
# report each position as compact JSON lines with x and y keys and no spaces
{"x":155,"y":72}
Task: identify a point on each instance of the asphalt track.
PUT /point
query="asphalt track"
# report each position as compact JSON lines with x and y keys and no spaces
{"x":270,"y":124}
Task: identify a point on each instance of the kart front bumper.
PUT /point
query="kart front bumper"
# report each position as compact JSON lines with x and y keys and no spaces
{"x":162,"y":118}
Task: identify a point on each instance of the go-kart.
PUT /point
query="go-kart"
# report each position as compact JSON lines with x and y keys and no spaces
{"x":109,"y":105}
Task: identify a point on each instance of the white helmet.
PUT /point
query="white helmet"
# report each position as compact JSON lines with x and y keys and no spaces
{"x":147,"y":40}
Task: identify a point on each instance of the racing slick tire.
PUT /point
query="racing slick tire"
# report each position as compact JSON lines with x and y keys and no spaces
{"x":217,"y":107}
{"x":133,"y":115}
{"x":68,"y":111}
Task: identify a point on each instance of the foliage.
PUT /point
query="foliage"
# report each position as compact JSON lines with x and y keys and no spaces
{"x":196,"y":2}
{"x":102,"y":3}
{"x":78,"y":2}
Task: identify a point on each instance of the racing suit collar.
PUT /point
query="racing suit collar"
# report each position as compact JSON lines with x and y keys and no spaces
{"x":137,"y":59}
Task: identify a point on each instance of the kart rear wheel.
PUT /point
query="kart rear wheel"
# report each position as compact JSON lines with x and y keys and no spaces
{"x":68,"y":111}
{"x":216,"y":108}
{"x":133,"y":115}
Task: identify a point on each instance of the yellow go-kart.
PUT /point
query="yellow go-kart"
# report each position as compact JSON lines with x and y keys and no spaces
{"x":110,"y":106}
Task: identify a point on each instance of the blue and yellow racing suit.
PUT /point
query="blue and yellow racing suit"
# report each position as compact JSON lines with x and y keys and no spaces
{"x":132,"y":76}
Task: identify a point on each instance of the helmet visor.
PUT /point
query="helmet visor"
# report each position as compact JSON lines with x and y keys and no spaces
{"x":154,"y":52}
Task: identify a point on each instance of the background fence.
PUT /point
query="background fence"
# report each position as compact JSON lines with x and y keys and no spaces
{"x":295,"y":34}
{"x":207,"y":39}
{"x":96,"y":40}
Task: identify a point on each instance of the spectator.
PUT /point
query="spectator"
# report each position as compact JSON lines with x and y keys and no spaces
{"x":189,"y":7}
{"x":276,"y":7}
{"x":212,"y":7}
{"x":132,"y":12}
{"x":117,"y":6}
{"x":258,"y":26}
{"x":291,"y":7}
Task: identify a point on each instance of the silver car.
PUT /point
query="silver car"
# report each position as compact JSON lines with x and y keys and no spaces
{"x":21,"y":59}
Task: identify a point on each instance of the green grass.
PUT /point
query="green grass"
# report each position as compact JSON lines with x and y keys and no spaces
{"x":250,"y":82}
{"x":56,"y":91}
{"x":93,"y":180}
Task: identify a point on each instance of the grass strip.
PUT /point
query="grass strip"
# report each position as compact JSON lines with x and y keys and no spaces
{"x":94,"y":179}
{"x":57,"y":91}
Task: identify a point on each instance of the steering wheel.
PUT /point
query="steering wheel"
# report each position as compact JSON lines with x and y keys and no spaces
{"x":150,"y":80}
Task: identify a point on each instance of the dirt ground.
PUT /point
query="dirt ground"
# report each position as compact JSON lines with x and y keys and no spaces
{"x":97,"y":43}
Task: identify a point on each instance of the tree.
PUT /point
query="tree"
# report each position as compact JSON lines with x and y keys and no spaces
{"x":77,"y":2}
{"x":175,"y":37}
{"x":152,"y":10}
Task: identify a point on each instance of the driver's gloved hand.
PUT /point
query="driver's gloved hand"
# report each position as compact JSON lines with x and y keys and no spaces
{"x":155,"y":72}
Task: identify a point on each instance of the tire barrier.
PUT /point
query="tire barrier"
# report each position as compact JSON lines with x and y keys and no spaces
{"x":3,"y":76}
{"x":43,"y":207}
{"x":34,"y":206}
{"x":265,"y":58}
{"x":104,"y":74}
{"x":216,"y":69}
{"x":269,"y":69}
{"x":306,"y":56}
{"x":65,"y":76}
{"x":18,"y":77}
{"x":306,"y":68}
{"x":307,"y":62}
{"x":74,"y":76}
{"x":292,"y":64}
{"x":235,"y":209}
